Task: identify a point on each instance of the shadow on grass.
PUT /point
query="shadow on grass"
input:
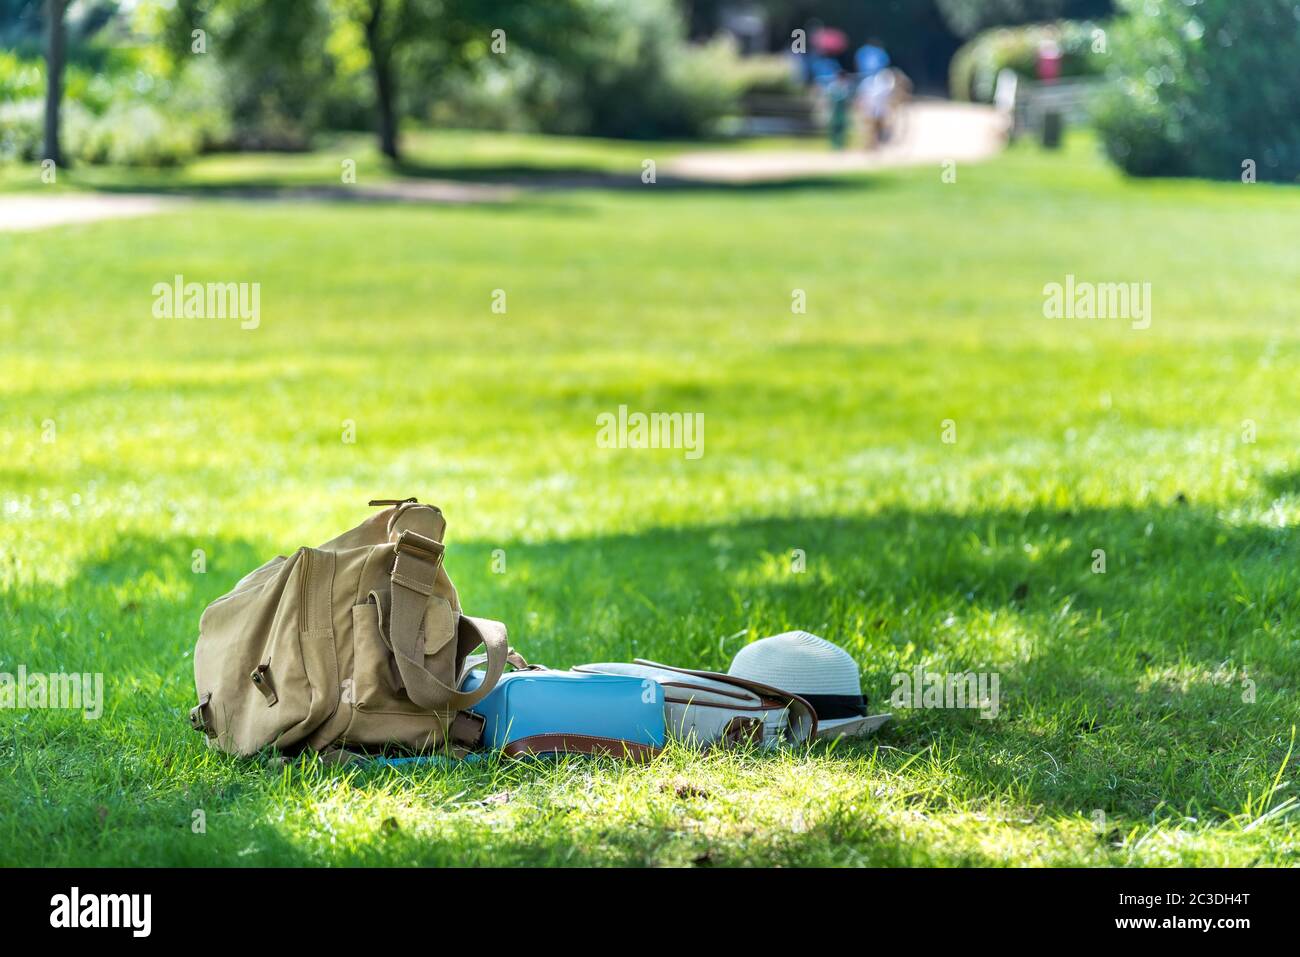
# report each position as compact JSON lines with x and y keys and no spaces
{"x":459,"y":185}
{"x":1283,"y":484}
{"x":1120,"y":691}
{"x":580,"y":177}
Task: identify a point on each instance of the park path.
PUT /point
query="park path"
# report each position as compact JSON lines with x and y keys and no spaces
{"x":933,"y":132}
{"x":21,"y":212}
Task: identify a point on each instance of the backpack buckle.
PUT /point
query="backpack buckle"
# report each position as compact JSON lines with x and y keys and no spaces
{"x":467,"y":729}
{"x":261,"y":678}
{"x":198,"y":719}
{"x":416,"y":544}
{"x":416,"y":560}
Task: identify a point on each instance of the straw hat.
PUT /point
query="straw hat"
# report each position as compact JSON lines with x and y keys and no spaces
{"x":823,"y":674}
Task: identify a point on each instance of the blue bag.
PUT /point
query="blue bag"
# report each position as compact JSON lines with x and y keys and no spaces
{"x":539,"y":711}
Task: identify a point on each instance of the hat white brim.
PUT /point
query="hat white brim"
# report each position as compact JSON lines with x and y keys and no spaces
{"x":851,"y":727}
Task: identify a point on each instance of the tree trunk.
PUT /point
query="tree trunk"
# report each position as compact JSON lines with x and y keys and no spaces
{"x":381,"y":66}
{"x":54,"y":56}
{"x":385,"y":94}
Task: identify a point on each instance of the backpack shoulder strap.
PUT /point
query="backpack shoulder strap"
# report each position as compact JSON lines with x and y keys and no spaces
{"x":415,"y":568}
{"x":491,"y":634}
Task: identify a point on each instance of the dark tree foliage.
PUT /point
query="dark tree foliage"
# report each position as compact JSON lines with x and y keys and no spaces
{"x":274,"y":52}
{"x":968,"y":17}
{"x":22,"y":22}
{"x":914,"y":32}
{"x":418,"y":39}
{"x":1206,"y":90}
{"x":921,"y":35}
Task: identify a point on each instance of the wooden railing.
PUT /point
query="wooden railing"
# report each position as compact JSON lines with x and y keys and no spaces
{"x":1071,"y":99}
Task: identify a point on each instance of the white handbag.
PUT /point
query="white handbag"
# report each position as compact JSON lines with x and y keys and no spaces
{"x":710,"y":709}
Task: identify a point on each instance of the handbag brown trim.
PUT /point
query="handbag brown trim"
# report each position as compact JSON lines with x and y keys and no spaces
{"x":536,"y":744}
{"x":762,"y":690}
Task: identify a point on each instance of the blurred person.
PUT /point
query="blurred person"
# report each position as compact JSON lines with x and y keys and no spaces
{"x":870,"y":59}
{"x":823,"y":70}
{"x":1048,"y":63}
{"x":880,"y":102}
{"x":839,"y":98}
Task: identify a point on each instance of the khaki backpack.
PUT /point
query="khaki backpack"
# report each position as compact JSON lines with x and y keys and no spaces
{"x":360,"y":642}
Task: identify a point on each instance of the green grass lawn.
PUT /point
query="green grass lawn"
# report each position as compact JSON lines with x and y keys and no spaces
{"x":1146,"y":715}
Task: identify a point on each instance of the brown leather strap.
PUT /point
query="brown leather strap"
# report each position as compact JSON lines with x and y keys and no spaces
{"x":467,"y":729}
{"x":806,"y":711}
{"x":742,"y":731}
{"x":536,"y":744}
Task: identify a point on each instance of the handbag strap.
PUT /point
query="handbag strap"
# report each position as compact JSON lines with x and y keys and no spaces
{"x":415,"y":569}
{"x":513,"y":658}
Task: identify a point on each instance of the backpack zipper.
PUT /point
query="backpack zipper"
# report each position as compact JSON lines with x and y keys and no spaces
{"x":304,"y":607}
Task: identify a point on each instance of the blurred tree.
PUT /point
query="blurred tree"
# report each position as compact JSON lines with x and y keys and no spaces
{"x":702,"y":17}
{"x":25,"y":23}
{"x":54,"y":57}
{"x":277,"y":52}
{"x":22,"y":22}
{"x":1207,"y":89}
{"x":272,"y":59}
{"x":414,"y":37}
{"x":386,"y":23}
{"x":627,"y":72}
{"x":635,"y":75}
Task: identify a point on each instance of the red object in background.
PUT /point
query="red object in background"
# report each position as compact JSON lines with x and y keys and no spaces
{"x":829,"y":41}
{"x":1049,"y":62}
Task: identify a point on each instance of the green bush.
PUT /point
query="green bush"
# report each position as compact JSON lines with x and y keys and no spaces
{"x":269,"y":64}
{"x":521,"y":94}
{"x":21,"y":129}
{"x":770,"y":74}
{"x":130,"y":134}
{"x":20,"y":79}
{"x":632,"y":77}
{"x":702,"y":87}
{"x":975,"y":67}
{"x":638,"y":78}
{"x":1201,"y":89}
{"x":131,"y":113}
